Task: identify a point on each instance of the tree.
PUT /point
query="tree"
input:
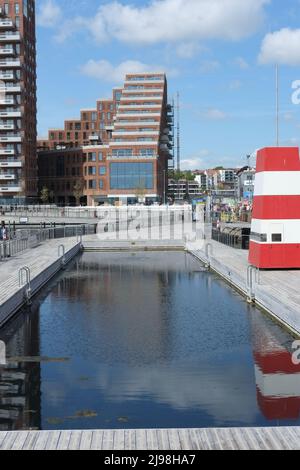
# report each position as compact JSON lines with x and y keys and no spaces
{"x":44,"y":195}
{"x":78,"y":191}
{"x":141,"y":191}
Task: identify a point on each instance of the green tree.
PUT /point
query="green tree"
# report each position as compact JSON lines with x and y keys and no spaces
{"x":44,"y":195}
{"x":78,"y":191}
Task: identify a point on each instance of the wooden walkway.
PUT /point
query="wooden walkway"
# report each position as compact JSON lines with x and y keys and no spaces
{"x":43,"y":261}
{"x":285,"y":438}
{"x":276,"y":291}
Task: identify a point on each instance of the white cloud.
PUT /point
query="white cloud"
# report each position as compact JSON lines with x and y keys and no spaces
{"x":104,"y":70}
{"x":49,"y":14}
{"x":214,"y":114}
{"x":177,"y":20}
{"x":242,"y":63}
{"x":209,"y":66}
{"x":187,"y":50}
{"x":281,"y":47}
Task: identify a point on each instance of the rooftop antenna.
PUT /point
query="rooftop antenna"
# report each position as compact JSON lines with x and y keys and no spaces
{"x":277,"y":104}
{"x":178,"y":132}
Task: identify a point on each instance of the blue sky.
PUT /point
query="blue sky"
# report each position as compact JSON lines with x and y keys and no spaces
{"x":219,"y":54}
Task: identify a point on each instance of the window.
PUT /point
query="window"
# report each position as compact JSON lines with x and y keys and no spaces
{"x":6,"y":8}
{"x":100,"y":156}
{"x":92,"y":156}
{"x":92,"y":171}
{"x":146,"y":153}
{"x":78,"y":126}
{"x":100,"y":106}
{"x":102,"y":170}
{"x":101,"y":184}
{"x":94,"y":116}
{"x":276,"y":237}
{"x":124,"y":153}
{"x":131,"y":176}
{"x":92,"y":184}
{"x":259,"y":237}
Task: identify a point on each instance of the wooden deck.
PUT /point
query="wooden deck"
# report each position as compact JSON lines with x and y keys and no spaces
{"x":285,"y":438}
{"x":276,"y":291}
{"x":43,"y":261}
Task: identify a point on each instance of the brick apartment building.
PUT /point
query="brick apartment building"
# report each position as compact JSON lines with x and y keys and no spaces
{"x":126,"y":144}
{"x":18,"y":159}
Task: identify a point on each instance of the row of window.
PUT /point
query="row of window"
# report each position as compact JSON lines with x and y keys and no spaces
{"x":133,"y":176}
{"x":92,"y":157}
{"x":124,"y":153}
{"x":92,"y":184}
{"x":263,"y":238}
{"x":92,"y":171}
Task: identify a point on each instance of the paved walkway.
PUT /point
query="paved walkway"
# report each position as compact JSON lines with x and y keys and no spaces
{"x":287,"y":438}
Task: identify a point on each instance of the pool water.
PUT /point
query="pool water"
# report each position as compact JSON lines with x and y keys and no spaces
{"x":145,"y":340}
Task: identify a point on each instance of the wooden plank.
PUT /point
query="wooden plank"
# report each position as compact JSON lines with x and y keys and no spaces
{"x":75,"y":439}
{"x":163,"y":439}
{"x":119,"y":442}
{"x":64,"y":439}
{"x":30,"y":440}
{"x":130,"y":439}
{"x":9,"y":440}
{"x":41,"y":440}
{"x":152,"y":441}
{"x":2,"y":437}
{"x":20,"y":440}
{"x":97,"y":440}
{"x":225,"y":439}
{"x":53,"y":438}
{"x":203,"y":439}
{"x":281,"y":438}
{"x":184,"y":439}
{"x":174,"y":439}
{"x":141,"y":439}
{"x":108,"y":440}
{"x":86,"y":440}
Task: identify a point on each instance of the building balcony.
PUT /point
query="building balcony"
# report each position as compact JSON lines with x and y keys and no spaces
{"x":109,"y":128}
{"x":10,"y":188}
{"x":11,"y":89}
{"x":11,"y":138}
{"x":7,"y":76}
{"x":10,"y":63}
{"x":8,"y":50}
{"x":7,"y":101}
{"x":10,"y":36}
{"x":141,"y":98}
{"x":10,"y":114}
{"x":136,"y":133}
{"x":7,"y":177}
{"x":140,"y":106}
{"x":128,"y":143}
{"x":144,"y":82}
{"x":4,"y":23}
{"x":138,"y":115}
{"x":11,"y":163}
{"x":128,"y":123}
{"x":132,"y":157}
{"x":7,"y":127}
{"x":126,"y":91}
{"x":4,"y":151}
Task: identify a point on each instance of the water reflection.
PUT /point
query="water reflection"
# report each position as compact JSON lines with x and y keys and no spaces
{"x":277,"y":378}
{"x":145,"y":340}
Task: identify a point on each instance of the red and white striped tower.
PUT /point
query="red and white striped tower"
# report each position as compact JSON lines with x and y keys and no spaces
{"x":275,"y":229}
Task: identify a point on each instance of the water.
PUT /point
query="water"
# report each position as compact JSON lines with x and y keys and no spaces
{"x":145,"y":340}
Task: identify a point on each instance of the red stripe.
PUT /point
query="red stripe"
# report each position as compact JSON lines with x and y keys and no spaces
{"x":278,"y":407}
{"x":277,"y":362}
{"x":278,"y":159}
{"x":276,"y":207}
{"x":274,"y":256}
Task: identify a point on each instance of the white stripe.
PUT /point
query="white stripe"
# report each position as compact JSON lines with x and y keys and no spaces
{"x":290,"y":229}
{"x":277,"y":183}
{"x":278,"y":385}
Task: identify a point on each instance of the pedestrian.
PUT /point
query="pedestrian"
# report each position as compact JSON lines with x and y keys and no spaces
{"x":3,"y":231}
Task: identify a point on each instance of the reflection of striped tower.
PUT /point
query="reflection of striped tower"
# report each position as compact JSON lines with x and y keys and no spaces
{"x":277,"y":378}
{"x":275,"y":237}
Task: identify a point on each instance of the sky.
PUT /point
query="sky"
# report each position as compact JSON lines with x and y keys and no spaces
{"x":220,"y":55}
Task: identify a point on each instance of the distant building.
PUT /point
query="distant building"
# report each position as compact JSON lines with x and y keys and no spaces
{"x":126,"y":142}
{"x":18,"y":161}
{"x":245,"y":183}
{"x":183,"y":190}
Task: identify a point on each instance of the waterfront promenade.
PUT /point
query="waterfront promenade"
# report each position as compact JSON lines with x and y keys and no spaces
{"x":285,"y":438}
{"x":276,"y":291}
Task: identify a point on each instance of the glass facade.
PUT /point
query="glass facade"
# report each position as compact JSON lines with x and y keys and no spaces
{"x":131,"y":176}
